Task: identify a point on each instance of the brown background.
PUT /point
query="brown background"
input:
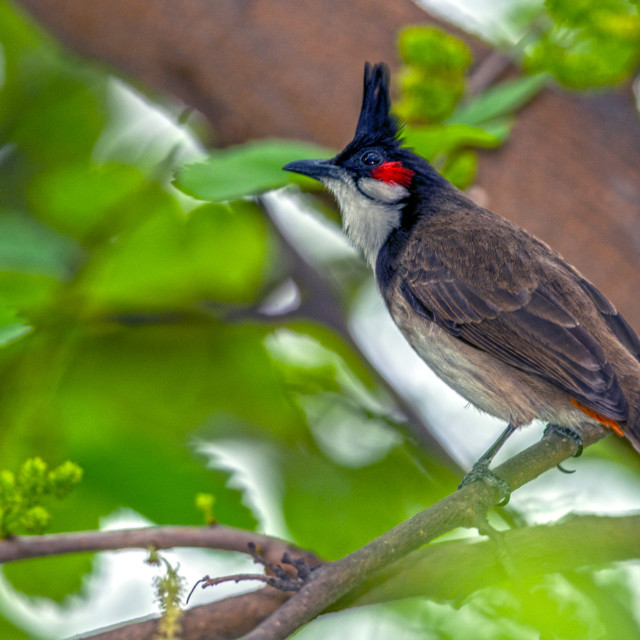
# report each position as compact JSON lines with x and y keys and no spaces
{"x":257,"y":68}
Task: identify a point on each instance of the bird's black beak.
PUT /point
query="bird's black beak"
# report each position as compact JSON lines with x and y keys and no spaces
{"x":318,"y":169}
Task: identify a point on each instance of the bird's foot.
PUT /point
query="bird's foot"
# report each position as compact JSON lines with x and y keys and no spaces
{"x":480,"y":471}
{"x":566,"y":432}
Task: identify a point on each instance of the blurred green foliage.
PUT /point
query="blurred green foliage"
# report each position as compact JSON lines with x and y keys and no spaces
{"x":582,"y":45}
{"x":84,"y":247}
{"x":433,"y":77}
{"x":586,"y":43}
{"x":205,"y":504}
{"x":130,"y":324}
{"x":443,"y":123}
{"x":581,"y":605}
{"x":22,"y":494}
{"x":118,"y":344}
{"x":170,"y":590}
{"x":249,"y":169}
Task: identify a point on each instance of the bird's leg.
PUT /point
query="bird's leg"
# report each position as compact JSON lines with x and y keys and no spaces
{"x":491,"y":452}
{"x":566,"y":432}
{"x":481,"y":471}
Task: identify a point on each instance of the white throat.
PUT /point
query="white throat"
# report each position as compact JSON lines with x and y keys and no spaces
{"x":368,"y":221}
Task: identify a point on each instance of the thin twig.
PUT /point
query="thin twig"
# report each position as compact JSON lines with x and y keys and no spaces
{"x":487,"y":71}
{"x":497,"y":62}
{"x":238,"y":577}
{"x":216,"y":537}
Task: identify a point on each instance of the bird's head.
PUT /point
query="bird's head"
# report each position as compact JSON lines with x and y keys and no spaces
{"x":374,"y":177}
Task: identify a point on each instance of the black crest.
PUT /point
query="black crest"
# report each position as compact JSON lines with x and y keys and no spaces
{"x":376,"y":121}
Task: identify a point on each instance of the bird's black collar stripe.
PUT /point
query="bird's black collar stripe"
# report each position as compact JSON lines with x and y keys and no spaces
{"x":388,"y":255}
{"x":366,"y":195}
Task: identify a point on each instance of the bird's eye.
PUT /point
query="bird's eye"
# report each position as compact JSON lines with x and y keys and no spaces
{"x":371,"y":158}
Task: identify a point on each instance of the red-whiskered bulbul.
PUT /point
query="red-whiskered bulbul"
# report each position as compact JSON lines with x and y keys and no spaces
{"x":500,"y":316}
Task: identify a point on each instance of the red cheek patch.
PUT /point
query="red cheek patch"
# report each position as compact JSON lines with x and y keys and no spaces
{"x":393,"y":172}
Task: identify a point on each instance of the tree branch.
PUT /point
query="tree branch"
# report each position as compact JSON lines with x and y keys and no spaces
{"x":465,"y":508}
{"x":532,"y":551}
{"x":223,"y":620}
{"x":443,"y":571}
{"x":214,"y":537}
{"x":231,"y":617}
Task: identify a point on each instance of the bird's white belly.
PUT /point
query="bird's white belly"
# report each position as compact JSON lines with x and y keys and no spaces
{"x":487,"y":383}
{"x":466,"y":377}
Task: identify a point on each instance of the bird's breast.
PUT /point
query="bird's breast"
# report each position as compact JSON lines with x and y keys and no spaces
{"x":367,"y":220}
{"x":486,"y":382}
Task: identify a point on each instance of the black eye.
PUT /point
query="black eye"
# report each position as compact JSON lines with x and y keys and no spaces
{"x":371,"y":158}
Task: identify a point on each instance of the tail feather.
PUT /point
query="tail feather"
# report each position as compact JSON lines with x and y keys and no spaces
{"x":631,"y":428}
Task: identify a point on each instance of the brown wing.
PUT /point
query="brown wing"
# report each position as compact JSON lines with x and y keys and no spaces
{"x":529,"y":329}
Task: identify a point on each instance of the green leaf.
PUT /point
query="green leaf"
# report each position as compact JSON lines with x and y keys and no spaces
{"x":363,"y":502}
{"x":432,"y":80}
{"x":588,"y":62}
{"x":499,"y":101}
{"x":245,"y":170}
{"x":12,"y":326}
{"x":61,"y":121}
{"x":127,"y":403}
{"x":58,"y":577}
{"x":171,"y":261}
{"x":587,"y":44}
{"x":27,"y":292}
{"x":434,"y":50}
{"x":590,"y":14}
{"x":9,"y":631}
{"x":29,"y":246}
{"x":460,"y":168}
{"x":83,"y":199}
{"x":445,"y":138}
{"x":133,"y":399}
{"x":428,"y":98}
{"x":500,"y":128}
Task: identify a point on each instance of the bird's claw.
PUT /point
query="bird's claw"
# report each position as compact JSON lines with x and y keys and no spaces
{"x":566,"y":432}
{"x":480,"y":471}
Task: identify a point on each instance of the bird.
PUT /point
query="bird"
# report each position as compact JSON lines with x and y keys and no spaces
{"x":495,"y":312}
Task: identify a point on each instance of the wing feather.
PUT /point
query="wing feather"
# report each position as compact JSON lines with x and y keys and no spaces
{"x":530,"y":329}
